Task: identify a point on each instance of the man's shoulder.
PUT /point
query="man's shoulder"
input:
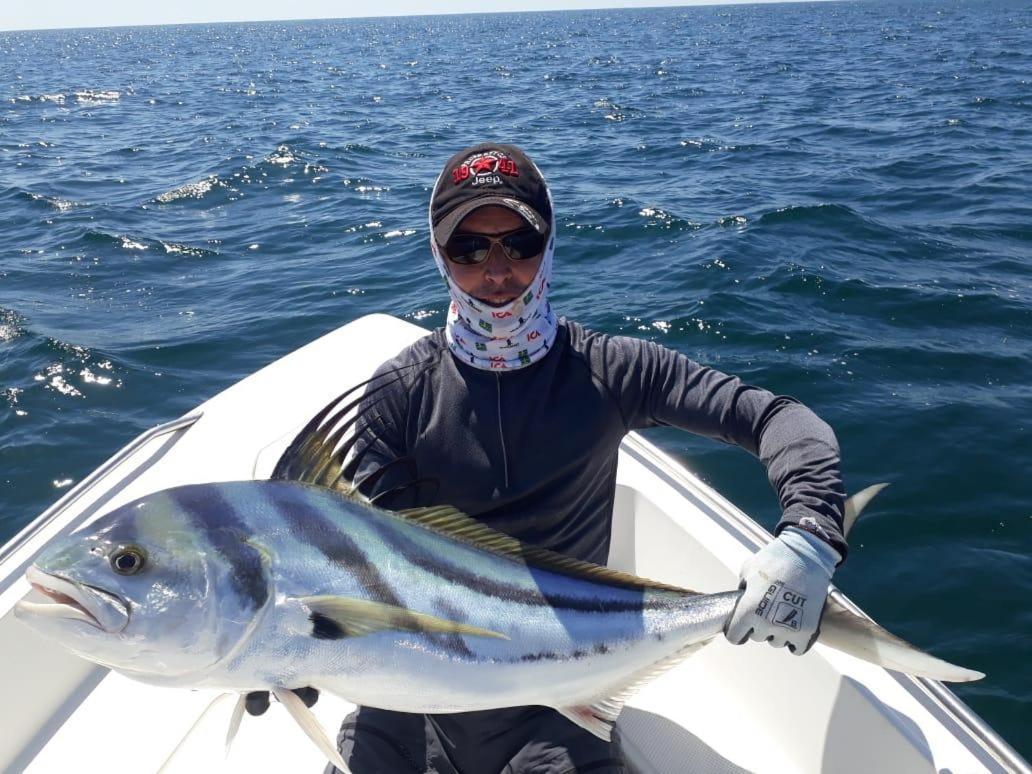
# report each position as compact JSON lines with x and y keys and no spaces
{"x":426,"y":349}
{"x":590,"y":342}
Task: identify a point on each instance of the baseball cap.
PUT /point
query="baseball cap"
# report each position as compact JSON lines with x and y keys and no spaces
{"x":486,"y":174}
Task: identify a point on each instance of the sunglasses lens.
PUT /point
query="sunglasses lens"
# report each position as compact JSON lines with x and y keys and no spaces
{"x":524,"y":244}
{"x":467,"y":248}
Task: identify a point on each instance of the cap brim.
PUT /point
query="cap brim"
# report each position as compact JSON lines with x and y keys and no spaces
{"x":444,"y":229}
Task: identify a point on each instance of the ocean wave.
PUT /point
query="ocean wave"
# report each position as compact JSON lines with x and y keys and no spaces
{"x":11,"y":325}
{"x":174,"y":248}
{"x":51,"y":202}
{"x":97,"y":238}
{"x":57,"y":99}
{"x":75,"y":369}
{"x":93,"y":97}
{"x":810,"y":213}
{"x":283,"y":158}
{"x":713,"y":145}
{"x":194,"y":190}
{"x":656,"y":217}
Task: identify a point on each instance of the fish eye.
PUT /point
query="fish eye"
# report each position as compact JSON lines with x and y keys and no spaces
{"x":128,"y":560}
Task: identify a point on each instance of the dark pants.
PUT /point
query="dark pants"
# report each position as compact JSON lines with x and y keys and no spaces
{"x":522,"y":740}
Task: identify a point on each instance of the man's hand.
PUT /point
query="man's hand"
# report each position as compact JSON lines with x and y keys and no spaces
{"x":256,"y":702}
{"x":786,"y":585}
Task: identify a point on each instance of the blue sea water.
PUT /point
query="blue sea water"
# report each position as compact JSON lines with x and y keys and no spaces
{"x":832,"y":200}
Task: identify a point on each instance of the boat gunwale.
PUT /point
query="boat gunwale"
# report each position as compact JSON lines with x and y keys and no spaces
{"x":25,"y":535}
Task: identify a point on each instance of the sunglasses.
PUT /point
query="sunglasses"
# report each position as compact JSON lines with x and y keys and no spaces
{"x":469,"y":249}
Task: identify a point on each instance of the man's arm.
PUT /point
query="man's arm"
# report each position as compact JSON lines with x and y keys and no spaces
{"x":379,"y":461}
{"x":657,"y":386}
{"x":786,"y":583}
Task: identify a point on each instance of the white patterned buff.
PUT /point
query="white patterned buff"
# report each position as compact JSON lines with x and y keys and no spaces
{"x":501,"y":337}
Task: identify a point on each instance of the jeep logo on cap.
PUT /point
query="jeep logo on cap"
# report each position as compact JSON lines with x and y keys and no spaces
{"x":485,"y":168}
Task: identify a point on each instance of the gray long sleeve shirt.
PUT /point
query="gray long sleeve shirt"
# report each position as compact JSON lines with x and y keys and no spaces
{"x":533,"y":452}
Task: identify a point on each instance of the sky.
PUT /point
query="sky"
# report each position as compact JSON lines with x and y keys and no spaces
{"x":48,"y":14}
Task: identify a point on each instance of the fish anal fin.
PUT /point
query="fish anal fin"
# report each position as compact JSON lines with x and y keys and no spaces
{"x":335,"y":618}
{"x":457,"y":525}
{"x":591,"y":719}
{"x":599,"y":716}
{"x":308,"y":723}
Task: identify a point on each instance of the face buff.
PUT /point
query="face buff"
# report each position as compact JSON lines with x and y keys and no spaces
{"x":501,"y":337}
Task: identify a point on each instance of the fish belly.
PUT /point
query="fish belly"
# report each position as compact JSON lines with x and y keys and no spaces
{"x":546,"y":660}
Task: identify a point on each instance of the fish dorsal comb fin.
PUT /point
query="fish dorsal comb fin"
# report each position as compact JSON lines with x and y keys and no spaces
{"x":455,"y":524}
{"x":318,"y":452}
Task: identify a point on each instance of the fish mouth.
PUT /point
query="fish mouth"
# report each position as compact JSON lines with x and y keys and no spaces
{"x":74,"y":601}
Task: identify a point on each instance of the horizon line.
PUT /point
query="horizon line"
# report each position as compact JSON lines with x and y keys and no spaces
{"x":603,"y":7}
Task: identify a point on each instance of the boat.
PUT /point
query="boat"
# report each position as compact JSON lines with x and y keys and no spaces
{"x":723,"y":710}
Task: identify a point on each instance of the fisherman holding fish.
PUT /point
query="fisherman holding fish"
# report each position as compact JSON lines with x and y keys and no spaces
{"x":518,"y":415}
{"x":480,"y":642}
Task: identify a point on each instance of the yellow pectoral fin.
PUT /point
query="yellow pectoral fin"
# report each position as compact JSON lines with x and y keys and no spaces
{"x":336,"y":617}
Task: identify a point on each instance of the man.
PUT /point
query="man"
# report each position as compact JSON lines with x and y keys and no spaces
{"x":517,"y":416}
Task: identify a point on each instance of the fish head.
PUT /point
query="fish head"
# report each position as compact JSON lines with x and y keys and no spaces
{"x":140,"y":590}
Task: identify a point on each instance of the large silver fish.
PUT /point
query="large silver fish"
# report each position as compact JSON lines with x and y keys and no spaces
{"x":273,"y":585}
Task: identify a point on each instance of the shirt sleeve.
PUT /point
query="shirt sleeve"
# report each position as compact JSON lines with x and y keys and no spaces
{"x":379,"y":462}
{"x":658,"y":386}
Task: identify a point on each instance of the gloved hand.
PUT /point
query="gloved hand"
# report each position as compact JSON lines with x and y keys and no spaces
{"x":256,"y":702}
{"x":786,"y":585}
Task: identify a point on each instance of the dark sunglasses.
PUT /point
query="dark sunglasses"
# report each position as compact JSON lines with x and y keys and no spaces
{"x":471,"y":249}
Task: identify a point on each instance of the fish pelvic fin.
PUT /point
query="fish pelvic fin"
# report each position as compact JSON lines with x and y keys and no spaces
{"x":234,"y":721}
{"x":861,"y":637}
{"x":310,"y":725}
{"x":335,"y":618}
{"x":457,"y":525}
{"x":855,"y":505}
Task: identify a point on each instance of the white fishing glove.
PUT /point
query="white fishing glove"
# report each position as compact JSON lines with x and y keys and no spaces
{"x":786,"y":585}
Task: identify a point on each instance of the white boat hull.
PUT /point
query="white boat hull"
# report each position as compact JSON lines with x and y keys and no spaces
{"x":722,"y":710}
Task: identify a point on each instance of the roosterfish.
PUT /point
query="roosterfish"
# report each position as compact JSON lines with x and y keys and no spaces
{"x":301,"y":581}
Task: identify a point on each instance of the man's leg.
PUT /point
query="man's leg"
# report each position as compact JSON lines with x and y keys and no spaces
{"x":558,"y":746}
{"x":375,"y":741}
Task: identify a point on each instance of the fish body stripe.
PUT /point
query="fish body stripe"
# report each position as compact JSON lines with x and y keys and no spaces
{"x":211,"y":514}
{"x":439,"y":567}
{"x":309,"y":526}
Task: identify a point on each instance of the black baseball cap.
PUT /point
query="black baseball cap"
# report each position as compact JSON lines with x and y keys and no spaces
{"x":486,"y":174}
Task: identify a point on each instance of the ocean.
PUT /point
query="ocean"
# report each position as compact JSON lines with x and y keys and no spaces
{"x":831,"y":200}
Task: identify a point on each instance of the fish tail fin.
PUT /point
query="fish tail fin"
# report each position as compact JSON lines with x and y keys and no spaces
{"x":308,"y":723}
{"x":855,"y":505}
{"x":861,"y":637}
